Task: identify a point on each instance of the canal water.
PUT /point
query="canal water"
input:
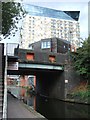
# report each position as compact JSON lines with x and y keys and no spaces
{"x":53,"y":108}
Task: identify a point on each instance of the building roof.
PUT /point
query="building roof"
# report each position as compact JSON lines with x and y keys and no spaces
{"x":47,"y":39}
{"x":65,"y":41}
{"x":73,"y":14}
{"x":46,"y":12}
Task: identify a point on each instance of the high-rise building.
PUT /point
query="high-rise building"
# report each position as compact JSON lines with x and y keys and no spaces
{"x":41,"y":23}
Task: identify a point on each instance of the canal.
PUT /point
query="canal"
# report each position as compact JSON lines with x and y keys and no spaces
{"x":53,"y":108}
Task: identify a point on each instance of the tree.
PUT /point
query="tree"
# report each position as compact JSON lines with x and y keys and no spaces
{"x":12,"y":12}
{"x":82,"y":59}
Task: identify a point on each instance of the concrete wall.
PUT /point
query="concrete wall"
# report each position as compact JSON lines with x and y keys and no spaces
{"x":72,"y":77}
{"x":40,"y":56}
{"x":53,"y":84}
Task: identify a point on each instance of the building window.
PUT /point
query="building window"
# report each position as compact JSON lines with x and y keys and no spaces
{"x":45,"y":44}
{"x":30,"y":56}
{"x":52,"y":58}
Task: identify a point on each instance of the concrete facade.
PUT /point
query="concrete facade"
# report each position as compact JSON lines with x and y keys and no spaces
{"x":73,"y":79}
{"x":40,"y":56}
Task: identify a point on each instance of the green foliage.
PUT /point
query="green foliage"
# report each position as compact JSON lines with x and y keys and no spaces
{"x":12,"y":12}
{"x":80,"y":94}
{"x":82,"y":59}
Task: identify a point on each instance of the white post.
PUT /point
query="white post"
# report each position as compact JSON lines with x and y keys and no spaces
{"x":5,"y":88}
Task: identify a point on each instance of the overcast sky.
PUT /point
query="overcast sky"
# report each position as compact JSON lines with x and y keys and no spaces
{"x":64,"y":5}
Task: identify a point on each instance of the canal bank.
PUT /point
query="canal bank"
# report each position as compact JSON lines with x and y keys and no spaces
{"x":17,"y":109}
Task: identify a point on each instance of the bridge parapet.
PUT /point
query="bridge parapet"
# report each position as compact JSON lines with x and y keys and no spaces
{"x":31,"y":56}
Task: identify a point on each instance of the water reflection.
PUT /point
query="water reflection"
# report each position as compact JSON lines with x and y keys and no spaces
{"x":52,"y":108}
{"x":29,"y":100}
{"x":76,"y":110}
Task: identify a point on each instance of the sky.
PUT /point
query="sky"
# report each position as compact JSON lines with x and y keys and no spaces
{"x":74,"y":5}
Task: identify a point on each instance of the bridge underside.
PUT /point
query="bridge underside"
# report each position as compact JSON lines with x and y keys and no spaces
{"x":49,"y":82}
{"x":31,"y":71}
{"x":27,"y":69}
